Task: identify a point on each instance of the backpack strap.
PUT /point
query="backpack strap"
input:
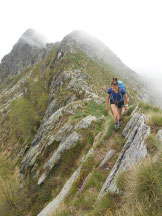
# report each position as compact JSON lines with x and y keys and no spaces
{"x":121,"y":95}
{"x":111,"y":95}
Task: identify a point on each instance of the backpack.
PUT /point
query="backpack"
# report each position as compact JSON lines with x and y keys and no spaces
{"x":121,"y":84}
{"x":121,"y":95}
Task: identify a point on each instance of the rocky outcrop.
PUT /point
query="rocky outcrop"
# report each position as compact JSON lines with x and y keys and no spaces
{"x":133,"y":151}
{"x":85,"y":122}
{"x":30,"y":48}
{"x":109,"y":155}
{"x":10,"y":94}
{"x":55,"y":203}
{"x":55,"y":126}
{"x":75,"y":83}
{"x":70,"y":142}
{"x":45,"y":135}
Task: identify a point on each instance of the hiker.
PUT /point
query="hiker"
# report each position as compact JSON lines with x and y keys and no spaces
{"x":118,"y":98}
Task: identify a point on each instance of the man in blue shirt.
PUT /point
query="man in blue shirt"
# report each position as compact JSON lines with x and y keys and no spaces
{"x":117,"y":97}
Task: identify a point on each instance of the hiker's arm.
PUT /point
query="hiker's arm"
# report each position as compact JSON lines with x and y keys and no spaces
{"x":125,"y":99}
{"x":107,"y":101}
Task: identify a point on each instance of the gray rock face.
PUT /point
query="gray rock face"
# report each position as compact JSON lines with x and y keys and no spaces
{"x":45,"y":135}
{"x":61,"y":134}
{"x":75,"y":83}
{"x":85,"y":122}
{"x":65,"y":144}
{"x":108,"y":157}
{"x":58,"y":200}
{"x":133,"y":151}
{"x":53,"y":127}
{"x":55,"y":203}
{"x":13,"y":93}
{"x":30,"y":48}
{"x":70,"y":142}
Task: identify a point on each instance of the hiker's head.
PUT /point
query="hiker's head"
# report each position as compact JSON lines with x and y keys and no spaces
{"x":115,"y":79}
{"x":114,"y":86}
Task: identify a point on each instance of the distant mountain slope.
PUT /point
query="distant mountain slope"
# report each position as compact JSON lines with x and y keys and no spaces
{"x":30,"y":48}
{"x":97,"y":50}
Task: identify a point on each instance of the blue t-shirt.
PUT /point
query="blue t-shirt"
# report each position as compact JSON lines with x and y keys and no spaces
{"x":117,"y":96}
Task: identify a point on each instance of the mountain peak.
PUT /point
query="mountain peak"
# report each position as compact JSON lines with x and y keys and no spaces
{"x":33,"y":38}
{"x":83,"y":36}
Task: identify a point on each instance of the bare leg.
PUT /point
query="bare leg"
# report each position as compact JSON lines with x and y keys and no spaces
{"x":120,"y":112}
{"x":115,"y":112}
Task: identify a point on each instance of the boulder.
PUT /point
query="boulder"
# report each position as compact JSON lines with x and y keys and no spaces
{"x":85,"y":122}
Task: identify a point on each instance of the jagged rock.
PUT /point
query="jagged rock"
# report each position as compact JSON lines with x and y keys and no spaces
{"x":42,"y":178}
{"x":43,"y":136}
{"x":101,"y":118}
{"x":75,"y":82}
{"x":97,"y":138}
{"x":16,"y":86}
{"x":136,"y":110}
{"x":30,"y":48}
{"x":55,"y":203}
{"x":130,"y":125}
{"x":70,"y":142}
{"x":107,"y":157}
{"x":134,"y":150}
{"x":98,"y":101}
{"x":59,"y":55}
{"x":61,"y":134}
{"x":5,"y":106}
{"x":85,"y":122}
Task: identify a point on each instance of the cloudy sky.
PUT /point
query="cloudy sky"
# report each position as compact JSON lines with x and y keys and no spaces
{"x":130,"y":28}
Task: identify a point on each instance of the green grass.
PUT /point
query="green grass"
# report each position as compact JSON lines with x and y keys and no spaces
{"x":82,"y":202}
{"x":145,"y":107}
{"x":142,"y":189}
{"x":103,"y":205}
{"x":110,"y":128}
{"x":89,"y":108}
{"x":151,"y":143}
{"x":155,"y":120}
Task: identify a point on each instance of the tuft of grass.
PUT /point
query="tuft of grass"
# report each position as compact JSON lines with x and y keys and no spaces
{"x":95,"y":179}
{"x":155,"y":120}
{"x":89,"y":108}
{"x":62,"y":213}
{"x":142,"y":189}
{"x":121,"y":180}
{"x":151,"y":143}
{"x":103,"y":205}
{"x":110,"y":129}
{"x":148,"y":107}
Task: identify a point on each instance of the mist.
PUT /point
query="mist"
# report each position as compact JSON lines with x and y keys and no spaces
{"x":34,"y":38}
{"x":154,"y":86}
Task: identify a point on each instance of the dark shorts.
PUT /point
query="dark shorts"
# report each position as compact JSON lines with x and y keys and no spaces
{"x":118,"y":104}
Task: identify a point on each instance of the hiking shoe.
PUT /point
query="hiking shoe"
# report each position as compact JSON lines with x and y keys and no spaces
{"x":116,"y":126}
{"x":120,"y":122}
